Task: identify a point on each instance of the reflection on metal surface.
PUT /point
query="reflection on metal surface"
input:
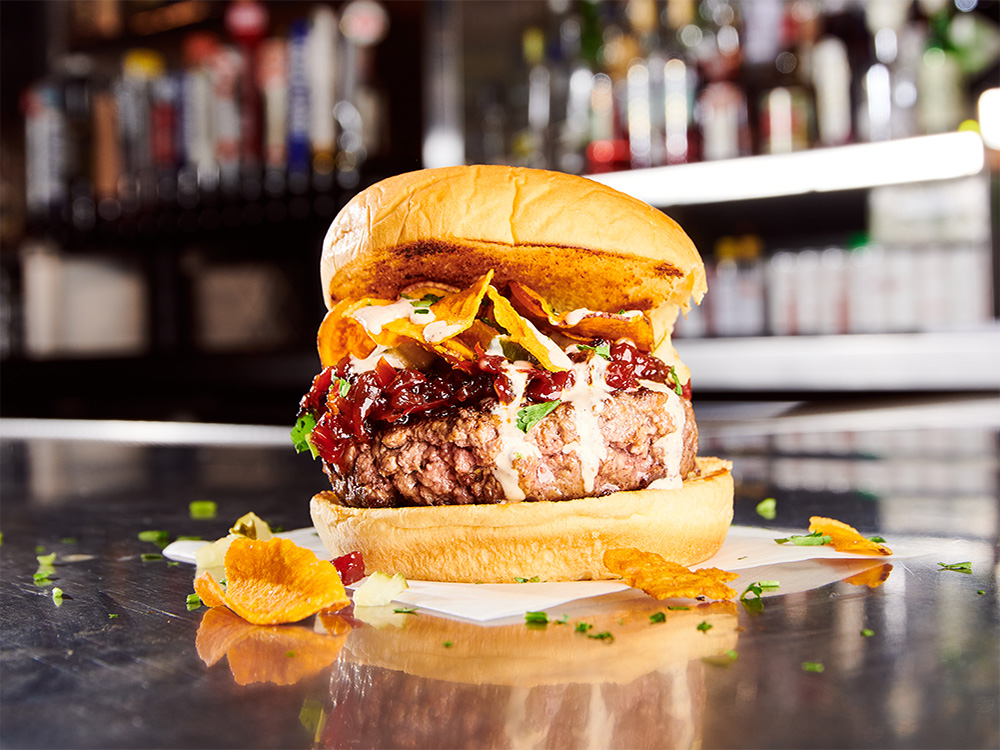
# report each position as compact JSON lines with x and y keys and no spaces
{"x":873,"y":577}
{"x":558,"y":685}
{"x":282,"y":654}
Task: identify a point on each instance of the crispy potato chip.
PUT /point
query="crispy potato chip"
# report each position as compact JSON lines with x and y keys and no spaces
{"x":663,"y":579}
{"x":523,"y":332}
{"x":872,"y":577}
{"x":340,"y":334}
{"x":593,"y":324}
{"x":846,"y":538}
{"x":281,"y":654}
{"x":457,"y":311}
{"x":274,"y":581}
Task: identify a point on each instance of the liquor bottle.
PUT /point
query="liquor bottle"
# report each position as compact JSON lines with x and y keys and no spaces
{"x":227,"y":70}
{"x":272,"y":77}
{"x":298,"y":107}
{"x":246,"y":21}
{"x":786,"y":109}
{"x":722,"y":104}
{"x":133,"y":95}
{"x":572,"y":131}
{"x":77,"y":72}
{"x":321,"y":51}
{"x":44,"y":140}
{"x":200,"y":174}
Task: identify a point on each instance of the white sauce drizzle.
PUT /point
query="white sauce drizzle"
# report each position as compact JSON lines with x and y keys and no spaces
{"x":574,"y":317}
{"x":558,"y":357}
{"x":374,"y":317}
{"x":588,"y":396}
{"x":369,"y":362}
{"x":440,"y":330}
{"x":513,"y":442}
{"x":672,"y":444}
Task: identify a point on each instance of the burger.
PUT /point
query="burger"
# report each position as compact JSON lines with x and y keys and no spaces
{"x":499,"y":397}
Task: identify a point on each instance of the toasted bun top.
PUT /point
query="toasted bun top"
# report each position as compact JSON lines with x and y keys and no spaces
{"x":576,"y":242}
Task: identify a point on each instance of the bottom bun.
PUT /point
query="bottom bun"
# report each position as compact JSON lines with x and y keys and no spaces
{"x":556,"y":541}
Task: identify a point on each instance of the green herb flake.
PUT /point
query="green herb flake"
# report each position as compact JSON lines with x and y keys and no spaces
{"x":704,"y":626}
{"x":289,"y":654}
{"x":343,"y":388}
{"x":678,"y":388}
{"x":448,"y":644}
{"x":57,"y":597}
{"x":112,"y":615}
{"x":187,"y":538}
{"x":42,"y":579}
{"x":151,"y":556}
{"x":867,"y":632}
{"x":46,"y":559}
{"x":602,"y":350}
{"x":582,"y":627}
{"x":981,"y":592}
{"x":301,"y":433}
{"x":426,"y":301}
{"x":562,"y":620}
{"x":725,"y":659}
{"x":193,"y":602}
{"x":813,"y":666}
{"x":961,"y":567}
{"x":814,"y":539}
{"x":767,"y":508}
{"x":39,"y":549}
{"x":529,"y":416}
{"x":876,"y":539}
{"x":405,"y":610}
{"x":602,"y":636}
{"x":533,"y":579}
{"x":69,"y":540}
{"x":657,"y":617}
{"x":157,"y":537}
{"x":536,"y":618}
{"x":678,"y":608}
{"x":203,"y":510}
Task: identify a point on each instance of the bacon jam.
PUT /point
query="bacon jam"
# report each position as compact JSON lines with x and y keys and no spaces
{"x":345,"y":406}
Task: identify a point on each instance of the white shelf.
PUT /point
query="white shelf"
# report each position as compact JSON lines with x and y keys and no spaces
{"x":940,"y":361}
{"x":854,"y":167}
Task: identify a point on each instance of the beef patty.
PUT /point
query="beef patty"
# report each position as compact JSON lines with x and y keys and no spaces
{"x":449,"y":460}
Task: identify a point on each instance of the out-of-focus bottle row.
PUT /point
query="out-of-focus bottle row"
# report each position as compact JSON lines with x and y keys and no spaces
{"x":606,"y":86}
{"x":924,"y":265}
{"x":260,"y":111}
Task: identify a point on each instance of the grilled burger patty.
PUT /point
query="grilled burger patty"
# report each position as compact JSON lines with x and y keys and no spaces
{"x":449,"y":459}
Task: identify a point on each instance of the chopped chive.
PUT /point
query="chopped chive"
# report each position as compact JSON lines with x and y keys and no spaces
{"x":448,"y":644}
{"x":68,"y":540}
{"x":46,"y":559}
{"x":157,"y":537}
{"x":767,"y":508}
{"x":657,"y":617}
{"x":203,"y":509}
{"x":112,"y":615}
{"x":533,"y":579}
{"x":405,"y":610}
{"x":961,"y":567}
{"x":812,"y":666}
{"x":151,"y":556}
{"x":814,"y":539}
{"x":57,"y":597}
{"x":536,"y":618}
{"x":678,"y":608}
{"x":193,"y":602}
{"x":867,"y":632}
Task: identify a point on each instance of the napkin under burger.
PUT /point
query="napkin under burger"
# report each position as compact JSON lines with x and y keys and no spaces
{"x":499,"y":397}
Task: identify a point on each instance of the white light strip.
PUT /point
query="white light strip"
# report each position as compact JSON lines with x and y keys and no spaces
{"x":864,"y":165}
{"x":154,"y":433}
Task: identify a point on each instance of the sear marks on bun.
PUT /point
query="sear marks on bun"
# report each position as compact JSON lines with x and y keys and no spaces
{"x":448,"y":460}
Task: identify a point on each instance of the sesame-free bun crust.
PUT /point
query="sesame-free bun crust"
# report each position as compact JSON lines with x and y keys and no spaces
{"x":557,"y":541}
{"x":576,"y":242}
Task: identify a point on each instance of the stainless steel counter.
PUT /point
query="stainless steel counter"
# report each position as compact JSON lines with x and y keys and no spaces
{"x":908,"y":661}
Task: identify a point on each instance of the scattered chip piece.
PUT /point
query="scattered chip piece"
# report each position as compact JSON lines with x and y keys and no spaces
{"x":273,"y":581}
{"x":872,"y":577}
{"x":846,"y":538}
{"x":663,"y":579}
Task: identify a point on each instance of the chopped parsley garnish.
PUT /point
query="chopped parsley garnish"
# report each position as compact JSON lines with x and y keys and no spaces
{"x":203,"y":509}
{"x":961,"y":567}
{"x":867,"y":632}
{"x":565,"y":618}
{"x":300,"y":434}
{"x":876,"y":539}
{"x":812,"y":666}
{"x":704,"y":626}
{"x":157,"y":537}
{"x":751,"y":597}
{"x":678,"y":388}
{"x":582,"y":627}
{"x":343,"y":388}
{"x":529,"y":416}
{"x":533,"y":579}
{"x":603,"y":349}
{"x":536,"y":618}
{"x":657,"y":617}
{"x":814,"y":539}
{"x":602,"y":636}
{"x":193,"y":602}
{"x":767,"y":508}
{"x":426,"y":301}
{"x":448,"y":644}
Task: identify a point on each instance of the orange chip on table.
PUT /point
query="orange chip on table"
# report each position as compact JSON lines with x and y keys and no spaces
{"x":872,"y":577}
{"x":663,"y":579}
{"x":846,"y":538}
{"x":275,"y":581}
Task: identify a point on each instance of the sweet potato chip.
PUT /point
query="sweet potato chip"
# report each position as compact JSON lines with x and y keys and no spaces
{"x":663,"y":579}
{"x":523,"y":332}
{"x":274,"y":581}
{"x":593,"y":324}
{"x":872,"y":577}
{"x":340,"y":334}
{"x":846,"y":538}
{"x":280,"y":654}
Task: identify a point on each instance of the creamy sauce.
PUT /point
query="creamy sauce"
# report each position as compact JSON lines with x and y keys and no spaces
{"x":672,"y":445}
{"x":375,"y":317}
{"x":588,"y":396}
{"x":557,"y":356}
{"x":439,"y":330}
{"x":574,"y":317}
{"x":369,"y":362}
{"x":513,"y":443}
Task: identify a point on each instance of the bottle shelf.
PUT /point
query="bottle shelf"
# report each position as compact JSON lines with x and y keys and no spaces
{"x":934,"y":362}
{"x":852,"y":167}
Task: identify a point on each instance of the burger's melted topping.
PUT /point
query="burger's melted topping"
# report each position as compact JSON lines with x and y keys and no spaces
{"x":348,"y":405}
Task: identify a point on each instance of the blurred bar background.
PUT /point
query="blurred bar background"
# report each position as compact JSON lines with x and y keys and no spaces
{"x":169,"y":170}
